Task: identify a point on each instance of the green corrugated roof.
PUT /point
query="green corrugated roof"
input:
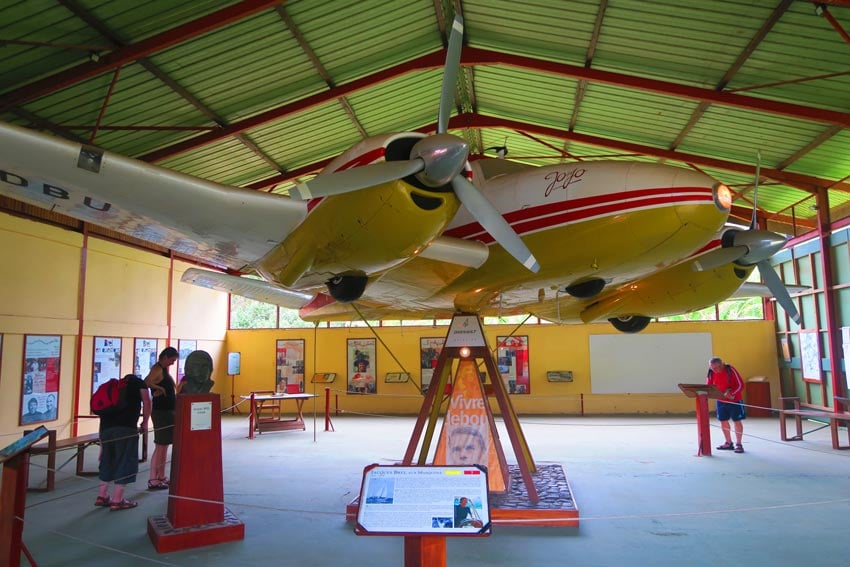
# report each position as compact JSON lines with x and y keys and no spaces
{"x":289,"y":52}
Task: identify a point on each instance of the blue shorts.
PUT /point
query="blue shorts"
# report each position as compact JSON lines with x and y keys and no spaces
{"x":119,"y":455}
{"x":733,"y":410}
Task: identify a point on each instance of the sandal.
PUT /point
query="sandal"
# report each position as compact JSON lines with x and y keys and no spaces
{"x":102,"y":501}
{"x":739,"y":448}
{"x":157,"y":485}
{"x":728,"y":446}
{"x":122,"y":505}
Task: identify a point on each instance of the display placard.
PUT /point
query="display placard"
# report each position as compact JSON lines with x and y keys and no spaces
{"x":397,"y":377}
{"x":424,"y":500}
{"x":323,"y":377}
{"x":234,"y":363}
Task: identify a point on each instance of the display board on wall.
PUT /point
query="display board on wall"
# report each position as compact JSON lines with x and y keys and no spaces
{"x":429,"y":352}
{"x":652,"y":363}
{"x":185,"y":347}
{"x":40,"y":380}
{"x":810,"y":355}
{"x":144,"y":356}
{"x":361,"y":366}
{"x":512,"y":358}
{"x":106,"y":360}
{"x":289,"y":366}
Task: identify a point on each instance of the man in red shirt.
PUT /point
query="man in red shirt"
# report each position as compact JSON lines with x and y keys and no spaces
{"x":731,"y":386}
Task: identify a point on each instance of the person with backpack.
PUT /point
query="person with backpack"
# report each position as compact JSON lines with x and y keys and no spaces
{"x":119,"y":441}
{"x":164,"y":402}
{"x":731,"y":405}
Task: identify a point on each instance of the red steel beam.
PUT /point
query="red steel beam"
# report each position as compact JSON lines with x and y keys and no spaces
{"x":798,"y":180}
{"x":476,"y":56}
{"x":430,"y":61}
{"x":130,"y":53}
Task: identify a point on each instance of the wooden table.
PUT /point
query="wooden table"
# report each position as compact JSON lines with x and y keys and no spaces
{"x":272,"y":402}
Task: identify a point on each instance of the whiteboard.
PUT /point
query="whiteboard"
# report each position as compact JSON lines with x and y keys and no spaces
{"x":647,"y":364}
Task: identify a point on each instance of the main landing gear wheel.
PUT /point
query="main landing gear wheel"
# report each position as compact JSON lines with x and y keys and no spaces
{"x":346,"y":289}
{"x":630,"y":324}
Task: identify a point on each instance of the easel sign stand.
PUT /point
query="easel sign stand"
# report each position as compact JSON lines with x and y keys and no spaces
{"x":702,"y":393}
{"x":234,"y":363}
{"x":454,"y":503}
{"x":15,"y":459}
{"x":196,"y":513}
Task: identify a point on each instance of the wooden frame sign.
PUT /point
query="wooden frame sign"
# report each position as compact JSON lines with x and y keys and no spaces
{"x":40,"y":380}
{"x":424,"y":500}
{"x":106,"y":360}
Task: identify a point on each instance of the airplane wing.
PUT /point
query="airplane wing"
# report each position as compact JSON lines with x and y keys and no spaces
{"x":228,"y":226}
{"x":258,"y":290}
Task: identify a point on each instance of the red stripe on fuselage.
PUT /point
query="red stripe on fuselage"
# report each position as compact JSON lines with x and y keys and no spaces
{"x":550,"y":215}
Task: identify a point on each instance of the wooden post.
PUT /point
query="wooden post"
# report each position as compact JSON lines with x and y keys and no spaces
{"x":424,"y":551}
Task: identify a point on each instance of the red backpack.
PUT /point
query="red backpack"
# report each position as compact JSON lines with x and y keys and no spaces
{"x":110,"y":398}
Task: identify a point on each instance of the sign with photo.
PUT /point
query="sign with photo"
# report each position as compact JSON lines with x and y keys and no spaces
{"x":429,"y":352}
{"x":361,"y":366}
{"x":289,"y":367}
{"x":185,"y":347}
{"x":145,"y":356}
{"x":106,"y":360}
{"x":40,"y":388}
{"x":401,"y":500}
{"x":512,"y":359}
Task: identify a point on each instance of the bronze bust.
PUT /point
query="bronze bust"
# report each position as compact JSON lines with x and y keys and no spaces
{"x":198,"y":369}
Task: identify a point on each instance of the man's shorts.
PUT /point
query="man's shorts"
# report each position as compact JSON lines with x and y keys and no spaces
{"x":119,"y":455}
{"x":730,"y":410}
{"x":163,"y":426}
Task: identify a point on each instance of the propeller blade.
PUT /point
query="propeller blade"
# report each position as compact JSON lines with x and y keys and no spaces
{"x":489,"y":217}
{"x":355,"y":178}
{"x":756,"y":190}
{"x":447,"y":95}
{"x":777,"y":288}
{"x":718,"y":257}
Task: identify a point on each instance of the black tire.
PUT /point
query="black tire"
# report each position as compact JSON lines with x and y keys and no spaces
{"x":630,"y":324}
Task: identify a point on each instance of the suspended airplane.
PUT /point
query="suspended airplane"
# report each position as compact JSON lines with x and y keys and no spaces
{"x":404,"y":226}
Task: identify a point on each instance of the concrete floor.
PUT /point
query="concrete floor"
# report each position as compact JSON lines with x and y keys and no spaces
{"x":643,"y":497}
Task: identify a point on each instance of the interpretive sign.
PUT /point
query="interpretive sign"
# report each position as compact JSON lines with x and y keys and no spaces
{"x":424,"y":500}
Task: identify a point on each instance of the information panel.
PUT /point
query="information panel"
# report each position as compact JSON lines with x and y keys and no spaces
{"x":423,"y":500}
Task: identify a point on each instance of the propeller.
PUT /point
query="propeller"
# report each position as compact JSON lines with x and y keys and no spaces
{"x":752,"y":246}
{"x":435,"y":161}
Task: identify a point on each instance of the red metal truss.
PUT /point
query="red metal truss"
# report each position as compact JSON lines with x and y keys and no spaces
{"x":130,"y":53}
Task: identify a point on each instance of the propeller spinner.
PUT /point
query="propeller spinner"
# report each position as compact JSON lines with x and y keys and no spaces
{"x":752,"y":246}
{"x":436,"y":161}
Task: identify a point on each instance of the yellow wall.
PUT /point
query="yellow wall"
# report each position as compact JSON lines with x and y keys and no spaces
{"x":126,"y":295}
{"x":748,"y":345}
{"x":132,"y":294}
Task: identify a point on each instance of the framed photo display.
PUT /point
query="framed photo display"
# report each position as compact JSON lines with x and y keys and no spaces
{"x":185,"y":347}
{"x":106,"y":360}
{"x":40,"y":387}
{"x":289,"y":366}
{"x":145,"y":356}
{"x":361,"y":366}
{"x":810,"y":355}
{"x":429,"y":352}
{"x":512,"y":358}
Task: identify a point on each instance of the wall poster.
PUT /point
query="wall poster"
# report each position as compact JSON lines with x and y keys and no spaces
{"x":810,"y":355}
{"x":289,"y":367}
{"x":106,"y":360}
{"x":429,"y":352}
{"x":512,"y":358}
{"x":185,"y":347}
{"x":361,"y":366}
{"x":145,"y":356}
{"x":40,"y":391}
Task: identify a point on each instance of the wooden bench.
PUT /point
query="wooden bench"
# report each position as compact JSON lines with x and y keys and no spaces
{"x":801,"y":410}
{"x":80,"y":443}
